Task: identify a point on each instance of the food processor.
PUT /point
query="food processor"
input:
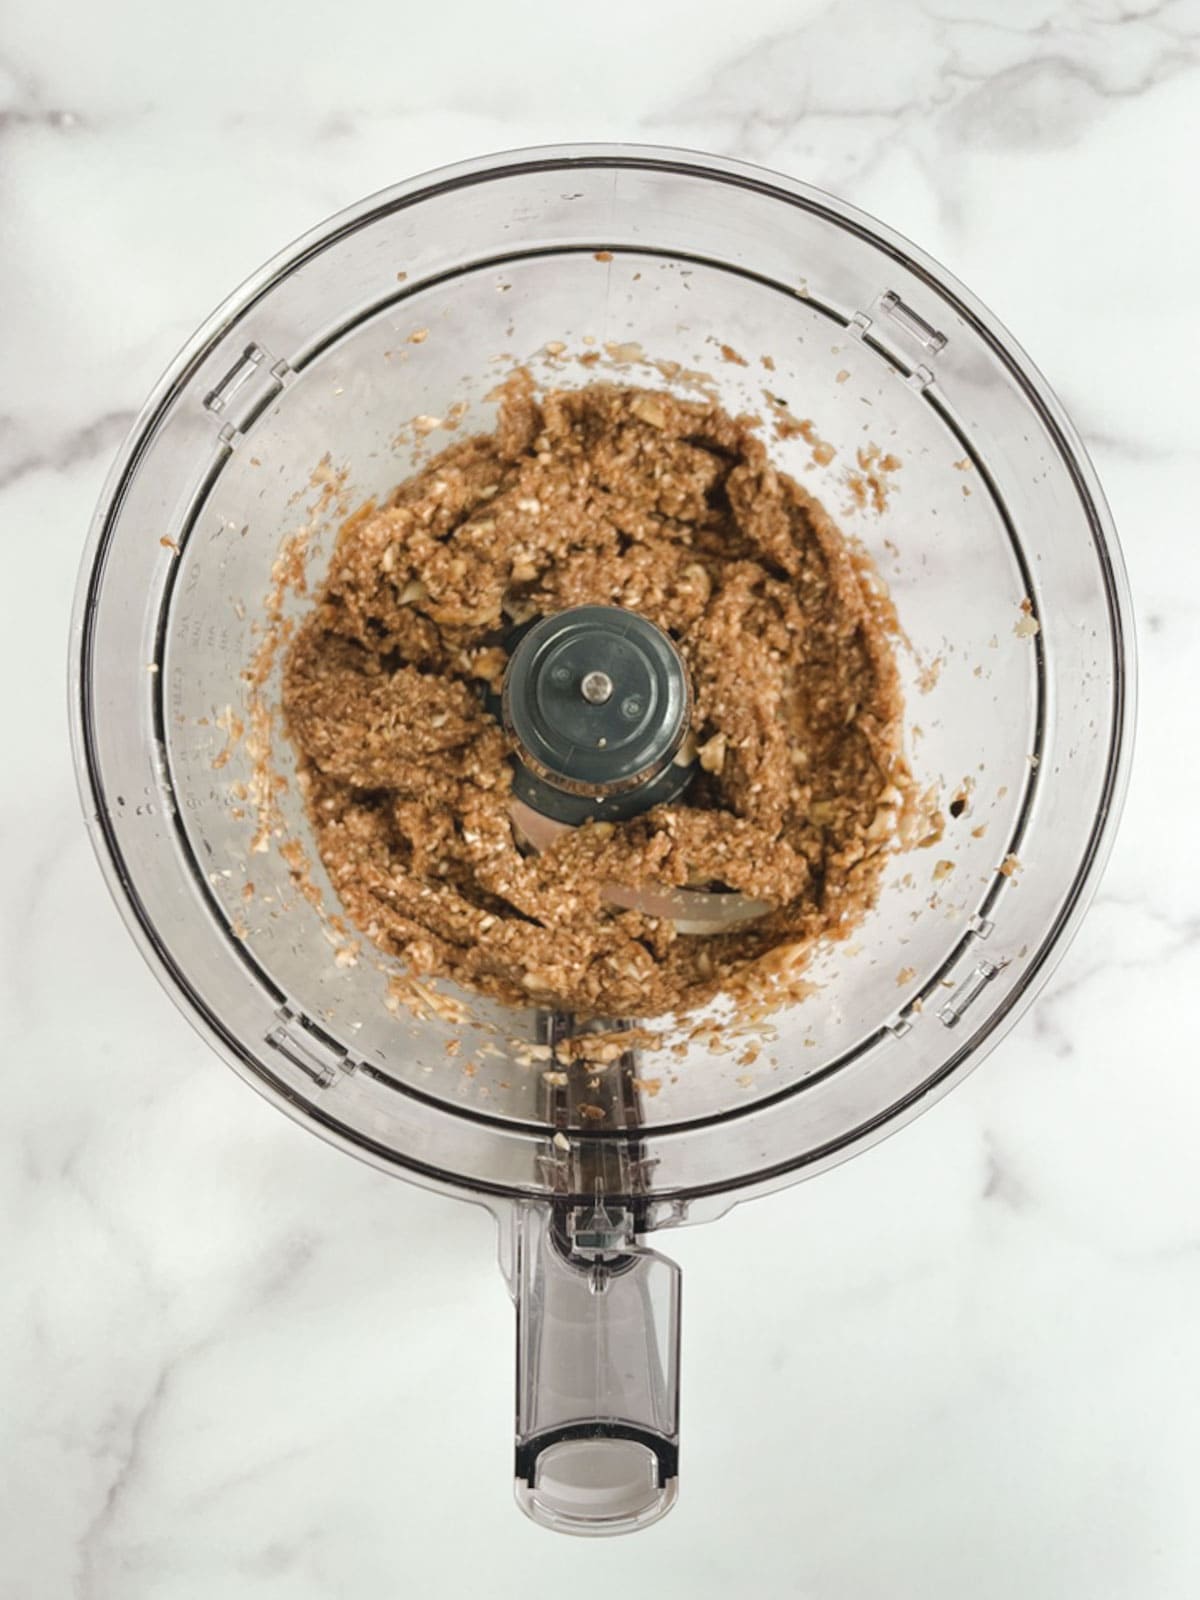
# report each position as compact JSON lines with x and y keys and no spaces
{"x":328,"y":378}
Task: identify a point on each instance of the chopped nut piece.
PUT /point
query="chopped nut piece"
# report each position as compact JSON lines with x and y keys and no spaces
{"x":649,"y":408}
{"x":712,"y":753}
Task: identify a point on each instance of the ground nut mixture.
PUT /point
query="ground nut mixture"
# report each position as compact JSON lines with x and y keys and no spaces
{"x":671,"y":508}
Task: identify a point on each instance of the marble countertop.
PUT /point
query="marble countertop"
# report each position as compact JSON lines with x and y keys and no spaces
{"x":236,"y":1363}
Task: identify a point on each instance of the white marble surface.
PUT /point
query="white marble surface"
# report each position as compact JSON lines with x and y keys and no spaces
{"x":237,"y":1363}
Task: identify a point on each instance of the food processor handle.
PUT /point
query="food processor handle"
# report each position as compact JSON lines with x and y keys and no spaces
{"x":597,"y":1425}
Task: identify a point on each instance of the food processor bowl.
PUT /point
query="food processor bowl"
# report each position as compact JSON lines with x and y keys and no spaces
{"x":886,"y":390}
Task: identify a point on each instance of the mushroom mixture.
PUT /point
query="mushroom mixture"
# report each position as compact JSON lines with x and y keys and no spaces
{"x":671,"y":508}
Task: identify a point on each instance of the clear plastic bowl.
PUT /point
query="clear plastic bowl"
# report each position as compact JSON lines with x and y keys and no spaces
{"x":290,"y":407}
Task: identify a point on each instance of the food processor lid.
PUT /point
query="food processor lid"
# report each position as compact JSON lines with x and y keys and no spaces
{"x":158,"y":611}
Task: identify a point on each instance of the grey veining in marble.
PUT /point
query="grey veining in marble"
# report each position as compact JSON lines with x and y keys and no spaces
{"x":238,"y":1364}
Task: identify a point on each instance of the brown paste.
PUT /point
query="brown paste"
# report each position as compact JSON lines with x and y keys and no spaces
{"x":605,"y":495}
